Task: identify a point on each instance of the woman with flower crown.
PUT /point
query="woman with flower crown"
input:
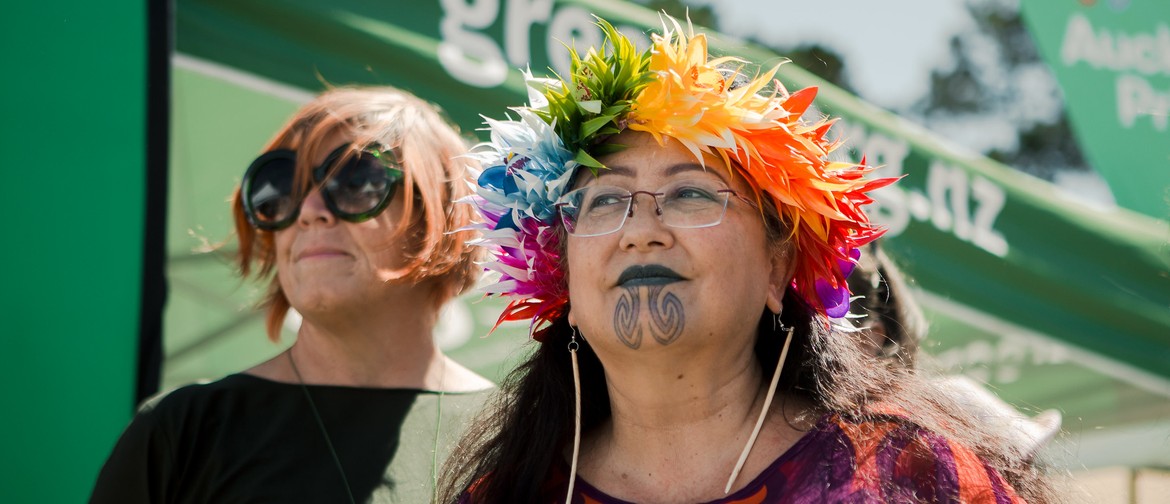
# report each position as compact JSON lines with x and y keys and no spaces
{"x":674,"y":231}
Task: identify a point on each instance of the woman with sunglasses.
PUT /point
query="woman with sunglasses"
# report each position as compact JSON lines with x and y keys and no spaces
{"x":672,"y":229}
{"x":349,"y":218}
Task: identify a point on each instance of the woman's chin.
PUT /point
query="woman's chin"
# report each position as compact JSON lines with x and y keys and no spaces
{"x":323,"y":301}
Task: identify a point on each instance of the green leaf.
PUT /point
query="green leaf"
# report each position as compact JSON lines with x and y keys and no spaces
{"x":591,"y":106}
{"x":608,"y":148}
{"x":588,"y":128}
{"x":585,"y":159}
{"x":614,"y":110}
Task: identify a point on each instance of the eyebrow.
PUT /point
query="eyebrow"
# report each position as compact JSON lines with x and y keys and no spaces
{"x":615,"y":170}
{"x":675,"y":169}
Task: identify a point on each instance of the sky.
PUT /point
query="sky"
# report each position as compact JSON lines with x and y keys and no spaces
{"x":891,"y":46}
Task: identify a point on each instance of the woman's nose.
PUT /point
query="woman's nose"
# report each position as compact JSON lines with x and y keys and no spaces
{"x":314,"y":210}
{"x":643,"y":228}
{"x":634,"y":203}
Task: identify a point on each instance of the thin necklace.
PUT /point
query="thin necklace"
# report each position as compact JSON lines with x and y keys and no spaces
{"x":321,"y":424}
{"x":438,"y":428}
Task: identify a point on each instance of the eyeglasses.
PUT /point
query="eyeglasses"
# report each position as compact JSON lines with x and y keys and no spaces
{"x":357,"y":189}
{"x":600,"y":210}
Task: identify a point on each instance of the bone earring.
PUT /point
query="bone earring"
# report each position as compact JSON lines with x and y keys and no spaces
{"x":767,"y":403}
{"x":573,"y":346}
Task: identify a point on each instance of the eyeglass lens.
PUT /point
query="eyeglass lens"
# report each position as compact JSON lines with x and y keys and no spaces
{"x":597,"y":210}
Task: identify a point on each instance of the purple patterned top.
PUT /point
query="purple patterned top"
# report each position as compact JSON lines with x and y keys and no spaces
{"x":843,"y":460}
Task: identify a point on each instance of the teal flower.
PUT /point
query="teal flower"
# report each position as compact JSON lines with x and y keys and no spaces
{"x":527,"y":169}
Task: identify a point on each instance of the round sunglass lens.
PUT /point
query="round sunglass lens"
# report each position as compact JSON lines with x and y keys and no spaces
{"x":361,"y":186}
{"x":270,"y":191}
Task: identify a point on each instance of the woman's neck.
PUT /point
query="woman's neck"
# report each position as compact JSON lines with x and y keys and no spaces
{"x":681,"y":425}
{"x":670,"y":391}
{"x":391,"y":346}
{"x":390,"y":356}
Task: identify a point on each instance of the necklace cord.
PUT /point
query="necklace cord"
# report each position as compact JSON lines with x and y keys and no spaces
{"x":321,"y":424}
{"x":438,"y":429}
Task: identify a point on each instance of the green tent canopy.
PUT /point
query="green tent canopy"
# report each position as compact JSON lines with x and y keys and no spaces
{"x":1052,"y":301}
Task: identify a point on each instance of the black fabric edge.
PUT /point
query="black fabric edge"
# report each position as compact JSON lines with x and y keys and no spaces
{"x":159,"y":46}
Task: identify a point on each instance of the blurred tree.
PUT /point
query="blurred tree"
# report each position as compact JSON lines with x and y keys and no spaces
{"x":997,"y":96}
{"x":998,"y":80}
{"x":822,"y":61}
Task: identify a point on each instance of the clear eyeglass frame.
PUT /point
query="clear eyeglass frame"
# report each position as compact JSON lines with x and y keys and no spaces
{"x":686,"y":204}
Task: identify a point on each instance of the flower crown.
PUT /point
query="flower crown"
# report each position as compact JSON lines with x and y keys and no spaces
{"x":674,"y":90}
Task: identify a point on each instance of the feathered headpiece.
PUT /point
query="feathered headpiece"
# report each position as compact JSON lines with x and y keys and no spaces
{"x":674,"y":90}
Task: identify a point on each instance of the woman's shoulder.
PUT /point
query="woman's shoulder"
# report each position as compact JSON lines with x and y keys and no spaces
{"x":200,"y":395}
{"x":898,"y":457}
{"x":886,"y":431}
{"x":200,"y":389}
{"x":166,"y":422}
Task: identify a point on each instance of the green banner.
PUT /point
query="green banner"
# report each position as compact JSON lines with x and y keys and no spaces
{"x":74,"y":166}
{"x":1112,"y":59}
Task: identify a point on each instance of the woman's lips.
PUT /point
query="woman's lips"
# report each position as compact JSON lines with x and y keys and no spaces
{"x":648,"y":274}
{"x":321,"y":253}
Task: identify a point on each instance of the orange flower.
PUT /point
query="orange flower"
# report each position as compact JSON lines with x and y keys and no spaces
{"x":698,"y":102}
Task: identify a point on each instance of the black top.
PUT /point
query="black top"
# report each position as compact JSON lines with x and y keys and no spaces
{"x":248,"y":439}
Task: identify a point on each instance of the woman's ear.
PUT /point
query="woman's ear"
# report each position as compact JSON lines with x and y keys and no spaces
{"x":775,"y":298}
{"x":783,"y":267}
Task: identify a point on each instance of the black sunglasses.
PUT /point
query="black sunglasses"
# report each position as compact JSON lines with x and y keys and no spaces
{"x":356,"y":190}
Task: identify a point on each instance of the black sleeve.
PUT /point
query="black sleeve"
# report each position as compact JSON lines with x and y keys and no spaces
{"x":141,"y":465}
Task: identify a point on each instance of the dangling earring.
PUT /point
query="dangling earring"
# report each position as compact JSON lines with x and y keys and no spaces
{"x":573,"y":346}
{"x":767,"y":403}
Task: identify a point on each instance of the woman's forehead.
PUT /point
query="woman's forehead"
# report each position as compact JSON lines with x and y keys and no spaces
{"x":643,"y":157}
{"x":641,"y":148}
{"x":687,"y":168}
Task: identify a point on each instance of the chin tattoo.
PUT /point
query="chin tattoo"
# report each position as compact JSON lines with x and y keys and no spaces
{"x":666,"y":316}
